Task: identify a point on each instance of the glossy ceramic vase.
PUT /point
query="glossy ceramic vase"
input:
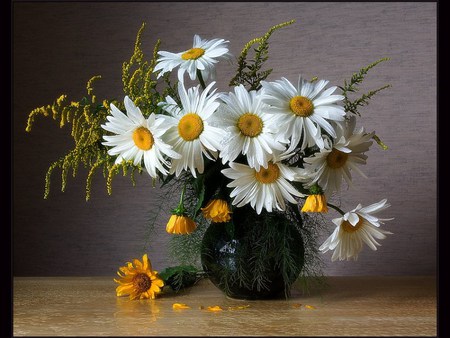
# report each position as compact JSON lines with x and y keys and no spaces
{"x":235,"y":263}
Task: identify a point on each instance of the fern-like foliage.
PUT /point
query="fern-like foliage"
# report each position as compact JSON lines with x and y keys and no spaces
{"x":249,"y":72}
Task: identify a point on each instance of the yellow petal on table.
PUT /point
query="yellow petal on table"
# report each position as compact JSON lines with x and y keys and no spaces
{"x":180,"y":306}
{"x":215,"y":308}
{"x":310,"y":307}
{"x":239,"y":307}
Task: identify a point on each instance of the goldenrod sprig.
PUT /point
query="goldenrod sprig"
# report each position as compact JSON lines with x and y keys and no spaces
{"x":249,"y":73}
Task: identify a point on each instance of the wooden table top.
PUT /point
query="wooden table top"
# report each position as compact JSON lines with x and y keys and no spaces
{"x":361,"y":306}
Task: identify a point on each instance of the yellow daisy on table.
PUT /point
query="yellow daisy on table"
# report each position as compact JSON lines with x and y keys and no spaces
{"x":251,"y":131}
{"x":304,"y":110}
{"x":333,"y":164}
{"x":203,"y":57}
{"x":138,"y":280}
{"x":355,"y":228}
{"x":138,"y":139}
{"x":266,"y":187}
{"x":189,"y":130}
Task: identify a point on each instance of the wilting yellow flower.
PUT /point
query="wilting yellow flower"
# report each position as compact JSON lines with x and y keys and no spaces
{"x":180,"y":306}
{"x":138,"y":280}
{"x":217,"y":210}
{"x":315,"y":203}
{"x":180,"y":225}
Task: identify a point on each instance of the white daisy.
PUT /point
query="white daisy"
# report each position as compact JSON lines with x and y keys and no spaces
{"x":190,"y":132}
{"x":304,"y":110}
{"x":354,"y":228}
{"x":267,"y":187}
{"x":138,"y":138}
{"x":203,"y":56}
{"x":334,"y":162}
{"x":251,"y":131}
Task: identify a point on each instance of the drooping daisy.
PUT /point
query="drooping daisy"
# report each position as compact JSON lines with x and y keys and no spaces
{"x":251,"y":131}
{"x":217,"y":210}
{"x":180,"y":225}
{"x":315,"y":203}
{"x":138,"y":280}
{"x":138,"y":138}
{"x":355,"y":228}
{"x":304,"y":111}
{"x":190,"y":132}
{"x":203,"y":56}
{"x":266,"y":187}
{"x":334,"y":162}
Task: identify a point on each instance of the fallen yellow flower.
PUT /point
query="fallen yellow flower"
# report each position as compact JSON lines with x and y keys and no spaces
{"x":310,"y":307}
{"x":180,"y":306}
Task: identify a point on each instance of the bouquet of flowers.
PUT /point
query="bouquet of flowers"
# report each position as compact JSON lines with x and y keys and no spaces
{"x":262,"y":160}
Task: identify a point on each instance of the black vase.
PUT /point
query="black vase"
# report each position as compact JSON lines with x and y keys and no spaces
{"x":254,"y":256}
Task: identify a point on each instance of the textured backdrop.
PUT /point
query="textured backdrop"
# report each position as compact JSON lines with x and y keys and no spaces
{"x":59,"y":46}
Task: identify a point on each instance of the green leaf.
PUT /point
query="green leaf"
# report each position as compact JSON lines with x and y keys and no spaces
{"x":180,"y":277}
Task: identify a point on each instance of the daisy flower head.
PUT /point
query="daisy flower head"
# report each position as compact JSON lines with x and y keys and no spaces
{"x":305,"y":110}
{"x":138,"y":280}
{"x":203,"y":57}
{"x":266,"y":187}
{"x":334,"y":163}
{"x":137,"y":138}
{"x":189,"y":129}
{"x":251,"y":131}
{"x":355,"y":228}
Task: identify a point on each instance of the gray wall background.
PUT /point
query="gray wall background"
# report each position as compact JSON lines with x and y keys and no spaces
{"x":59,"y":46}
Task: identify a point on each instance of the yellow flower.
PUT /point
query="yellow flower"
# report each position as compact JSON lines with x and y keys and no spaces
{"x":214,"y":308}
{"x":315,"y":203}
{"x":217,"y":210}
{"x":138,"y":280}
{"x":180,"y":225}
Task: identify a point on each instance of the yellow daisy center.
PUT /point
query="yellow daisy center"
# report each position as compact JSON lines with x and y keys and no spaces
{"x":348,"y":227}
{"x":190,"y":126}
{"x":268,"y":175}
{"x":142,"y":282}
{"x":301,"y":106}
{"x":336,"y":159}
{"x":143,"y":138}
{"x":250,"y":124}
{"x":193,"y":54}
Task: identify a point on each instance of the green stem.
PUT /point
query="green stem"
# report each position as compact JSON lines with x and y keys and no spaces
{"x":336,"y":208}
{"x":179,"y":210}
{"x":200,"y":79}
